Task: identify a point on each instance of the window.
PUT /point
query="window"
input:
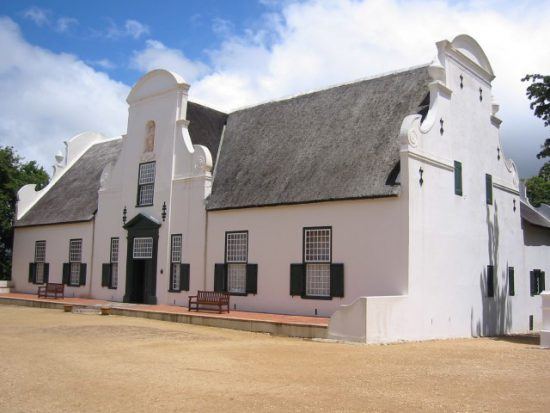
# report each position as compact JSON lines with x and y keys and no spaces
{"x":175,"y":261}
{"x":489,"y":189}
{"x":537,"y":282}
{"x":458,"y":178}
{"x":39,"y":260}
{"x":75,"y":259}
{"x":511,"y":282}
{"x":317,"y":258}
{"x":236,"y":257}
{"x":143,"y":248}
{"x":113,"y":282}
{"x":146,"y":184}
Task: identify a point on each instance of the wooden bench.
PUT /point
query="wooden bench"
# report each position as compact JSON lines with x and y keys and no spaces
{"x":209,"y":298}
{"x":51,"y":290}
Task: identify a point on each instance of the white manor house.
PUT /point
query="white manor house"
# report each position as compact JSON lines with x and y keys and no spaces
{"x":386,"y":203}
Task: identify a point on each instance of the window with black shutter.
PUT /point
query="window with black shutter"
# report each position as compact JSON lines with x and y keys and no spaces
{"x":175,"y":262}
{"x":40,"y":263}
{"x":75,"y":263}
{"x":113,"y":276}
{"x":317,"y":276}
{"x":537,"y":281}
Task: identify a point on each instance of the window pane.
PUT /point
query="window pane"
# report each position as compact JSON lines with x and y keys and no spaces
{"x":176,"y":276}
{"x":146,"y":193}
{"x":236,"y":278}
{"x":40,"y":251}
{"x":318,"y":280}
{"x":114,"y":275}
{"x":39,"y":273}
{"x":114,"y":249}
{"x":143,"y":248}
{"x":176,"y":248}
{"x":75,"y":273}
{"x":236,"y":247}
{"x":147,"y":173}
{"x":317,"y":245}
{"x":75,"y":250}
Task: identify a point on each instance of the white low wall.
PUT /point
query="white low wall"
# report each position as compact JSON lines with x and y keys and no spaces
{"x":545,"y":331}
{"x":371,"y":320}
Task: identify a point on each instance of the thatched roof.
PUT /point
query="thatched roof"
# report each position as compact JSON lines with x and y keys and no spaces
{"x":73,"y":198}
{"x":205,"y":126}
{"x":338,"y":143}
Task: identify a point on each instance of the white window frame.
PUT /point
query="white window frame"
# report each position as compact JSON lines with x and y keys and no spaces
{"x":75,"y":261}
{"x":146,"y":183}
{"x":39,"y":261}
{"x":236,"y":258}
{"x":176,"y":252}
{"x":317,"y":259}
{"x":142,"y":248}
{"x":114,"y":251}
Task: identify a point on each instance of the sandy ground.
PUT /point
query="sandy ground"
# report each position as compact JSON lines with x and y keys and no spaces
{"x":58,"y":362}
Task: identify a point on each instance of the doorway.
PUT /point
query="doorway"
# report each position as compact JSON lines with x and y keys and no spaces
{"x":141,"y":260}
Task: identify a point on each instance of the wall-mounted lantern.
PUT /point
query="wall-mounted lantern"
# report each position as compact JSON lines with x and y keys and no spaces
{"x":441,"y":122}
{"x":421,"y":180}
{"x":163,"y":211}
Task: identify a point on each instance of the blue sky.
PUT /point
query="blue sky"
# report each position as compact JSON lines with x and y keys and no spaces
{"x":67,"y":66}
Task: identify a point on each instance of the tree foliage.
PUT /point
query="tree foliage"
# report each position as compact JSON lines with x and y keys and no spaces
{"x":14,"y":173}
{"x":538,"y":92}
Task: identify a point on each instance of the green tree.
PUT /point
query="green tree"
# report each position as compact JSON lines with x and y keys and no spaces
{"x":14,"y":173}
{"x":538,"y":92}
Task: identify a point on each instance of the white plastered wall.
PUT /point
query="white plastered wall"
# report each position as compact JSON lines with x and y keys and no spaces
{"x":57,"y":239}
{"x":368,"y":237}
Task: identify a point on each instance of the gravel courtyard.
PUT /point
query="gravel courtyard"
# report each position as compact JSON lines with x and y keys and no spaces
{"x":58,"y":362}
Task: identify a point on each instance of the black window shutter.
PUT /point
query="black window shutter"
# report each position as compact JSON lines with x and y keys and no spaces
{"x":511,"y":286}
{"x":105,"y":275}
{"x":46,"y":273}
{"x":489,"y":189}
{"x":184,"y":276}
{"x":66,"y":273}
{"x":297,"y":278}
{"x":336,"y":280}
{"x":252,"y":278}
{"x":542,"y":282}
{"x":458,"y":178}
{"x":32,"y":272}
{"x":220,"y":277}
{"x":533,"y":282}
{"x":490,"y":281}
{"x":82,"y":274}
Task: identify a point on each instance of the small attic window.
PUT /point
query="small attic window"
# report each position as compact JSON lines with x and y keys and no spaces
{"x":149,"y":137}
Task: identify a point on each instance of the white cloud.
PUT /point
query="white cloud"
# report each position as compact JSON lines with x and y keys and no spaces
{"x":313,"y":44}
{"x":49,"y":97}
{"x":102,"y":63}
{"x":43,"y":17}
{"x":63,"y":24}
{"x":38,"y":15}
{"x":132,"y":28}
{"x":156,"y":55}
